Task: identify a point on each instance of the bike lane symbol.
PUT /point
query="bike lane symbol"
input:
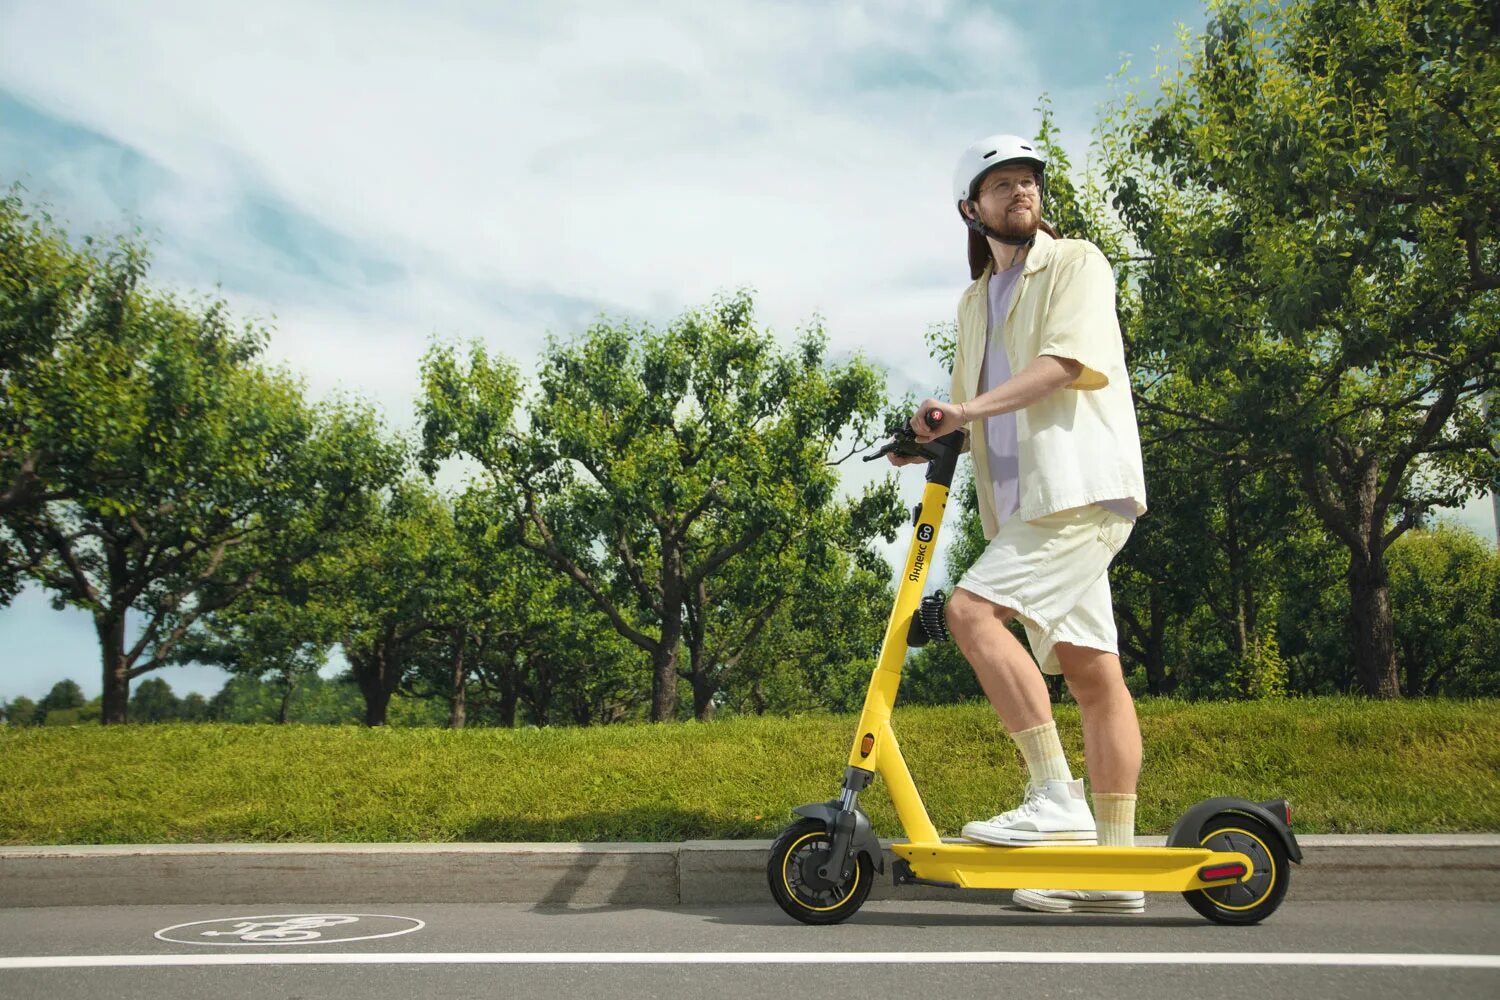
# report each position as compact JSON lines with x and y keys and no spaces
{"x":290,"y":929}
{"x":278,"y":931}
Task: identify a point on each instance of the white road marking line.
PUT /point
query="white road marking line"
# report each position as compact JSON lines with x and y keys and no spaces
{"x":1384,"y":959}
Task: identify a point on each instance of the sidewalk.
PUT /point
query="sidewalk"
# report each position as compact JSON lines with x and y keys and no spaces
{"x":696,"y":872}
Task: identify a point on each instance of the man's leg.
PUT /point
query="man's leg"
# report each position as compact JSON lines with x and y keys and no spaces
{"x":1055,"y":809}
{"x":1005,"y":670}
{"x":1112,"y":747}
{"x":1111,"y":734}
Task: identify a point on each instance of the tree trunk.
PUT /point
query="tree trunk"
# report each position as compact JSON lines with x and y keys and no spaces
{"x":704,"y":689}
{"x":1371,"y":623}
{"x":457,"y":679}
{"x":1413,"y":670}
{"x":111,"y":629}
{"x":1154,"y":646}
{"x":377,"y":701}
{"x":537,"y":691}
{"x":288,"y":684}
{"x":509,"y":696}
{"x":664,"y":671}
{"x":370,"y":673}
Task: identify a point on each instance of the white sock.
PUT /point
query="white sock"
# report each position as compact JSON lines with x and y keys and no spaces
{"x":1114,"y":815}
{"x":1043,"y":751}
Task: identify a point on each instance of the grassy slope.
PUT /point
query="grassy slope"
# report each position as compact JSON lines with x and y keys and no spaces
{"x":1346,"y":765}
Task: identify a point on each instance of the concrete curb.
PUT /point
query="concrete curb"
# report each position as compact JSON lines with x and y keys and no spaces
{"x":692,"y":873}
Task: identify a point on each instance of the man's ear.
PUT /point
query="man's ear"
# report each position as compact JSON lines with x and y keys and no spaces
{"x":963,"y":207}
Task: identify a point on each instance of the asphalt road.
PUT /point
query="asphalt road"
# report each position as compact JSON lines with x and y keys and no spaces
{"x":1364,"y":950}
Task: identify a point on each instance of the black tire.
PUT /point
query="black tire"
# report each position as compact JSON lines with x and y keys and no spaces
{"x":1253,"y":900}
{"x":796,"y":886}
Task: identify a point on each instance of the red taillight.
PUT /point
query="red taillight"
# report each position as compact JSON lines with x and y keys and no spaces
{"x":1288,"y":813}
{"x":1216,"y":873}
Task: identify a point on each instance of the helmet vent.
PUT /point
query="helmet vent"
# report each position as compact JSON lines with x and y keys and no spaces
{"x":991,"y":153}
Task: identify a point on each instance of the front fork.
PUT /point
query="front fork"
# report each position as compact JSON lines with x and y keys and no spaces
{"x":849,"y":827}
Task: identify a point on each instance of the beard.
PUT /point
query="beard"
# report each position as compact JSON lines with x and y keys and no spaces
{"x":1017,"y":225}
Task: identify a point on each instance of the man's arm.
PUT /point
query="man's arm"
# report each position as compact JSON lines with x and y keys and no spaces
{"x":1042,"y":377}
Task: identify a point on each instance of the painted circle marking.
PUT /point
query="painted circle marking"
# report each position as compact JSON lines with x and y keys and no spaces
{"x":282,"y":929}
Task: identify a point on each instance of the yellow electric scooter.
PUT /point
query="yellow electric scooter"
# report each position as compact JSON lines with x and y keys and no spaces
{"x":1229,"y":857}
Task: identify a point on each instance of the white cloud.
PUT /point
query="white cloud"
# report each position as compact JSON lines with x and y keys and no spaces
{"x":519,"y":167}
{"x":641,"y":158}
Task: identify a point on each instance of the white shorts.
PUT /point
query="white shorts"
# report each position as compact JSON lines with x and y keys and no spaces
{"x":1053,"y":573}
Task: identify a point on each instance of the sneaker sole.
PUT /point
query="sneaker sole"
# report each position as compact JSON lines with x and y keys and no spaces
{"x":1069,"y":839}
{"x":1047,"y":904}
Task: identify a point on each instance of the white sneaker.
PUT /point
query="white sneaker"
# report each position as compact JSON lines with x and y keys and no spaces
{"x":1080,"y":901}
{"x":1054,"y":812}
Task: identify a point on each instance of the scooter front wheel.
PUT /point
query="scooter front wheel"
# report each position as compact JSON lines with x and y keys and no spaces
{"x":796,"y":885}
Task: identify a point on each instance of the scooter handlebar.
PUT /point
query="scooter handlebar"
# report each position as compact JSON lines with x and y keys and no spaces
{"x":904,"y":439}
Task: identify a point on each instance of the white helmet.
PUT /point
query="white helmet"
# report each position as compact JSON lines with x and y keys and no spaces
{"x":988,"y":153}
{"x":979,"y":159}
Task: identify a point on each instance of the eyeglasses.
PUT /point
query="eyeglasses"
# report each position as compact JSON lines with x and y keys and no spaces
{"x":1004,"y":188}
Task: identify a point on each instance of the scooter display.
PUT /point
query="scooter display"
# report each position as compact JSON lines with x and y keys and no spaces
{"x":1229,"y":857}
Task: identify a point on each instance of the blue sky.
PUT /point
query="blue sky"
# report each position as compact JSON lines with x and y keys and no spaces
{"x":365,"y":175}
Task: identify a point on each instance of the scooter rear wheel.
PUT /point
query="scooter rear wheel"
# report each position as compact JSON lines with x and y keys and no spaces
{"x":799,"y":890}
{"x":1256,"y":898}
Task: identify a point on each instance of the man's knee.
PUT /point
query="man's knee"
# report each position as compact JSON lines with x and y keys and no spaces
{"x":1091,"y":674}
{"x":968,"y":613}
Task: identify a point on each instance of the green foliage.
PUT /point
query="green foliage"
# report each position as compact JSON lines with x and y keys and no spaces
{"x":65,"y":694}
{"x":22,"y":711}
{"x":1445,"y":588}
{"x":1313,"y":200}
{"x":149,"y":450}
{"x":1354,"y":766}
{"x":89,"y":711}
{"x":312,"y":701}
{"x":670,"y":475}
{"x":391,"y":581}
{"x":153,"y":701}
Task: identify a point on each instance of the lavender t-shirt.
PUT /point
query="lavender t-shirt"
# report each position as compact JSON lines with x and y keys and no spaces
{"x":1000,"y":430}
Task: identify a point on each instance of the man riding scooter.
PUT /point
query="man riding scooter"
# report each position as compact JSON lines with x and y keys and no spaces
{"x":1041,"y":388}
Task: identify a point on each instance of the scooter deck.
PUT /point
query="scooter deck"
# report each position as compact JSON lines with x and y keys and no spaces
{"x":1152,"y":869}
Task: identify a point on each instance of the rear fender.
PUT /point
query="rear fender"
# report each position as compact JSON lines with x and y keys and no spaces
{"x":1272,"y":813}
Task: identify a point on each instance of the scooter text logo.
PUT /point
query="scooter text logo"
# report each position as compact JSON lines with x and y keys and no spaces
{"x":924,"y":533}
{"x":921,"y":560}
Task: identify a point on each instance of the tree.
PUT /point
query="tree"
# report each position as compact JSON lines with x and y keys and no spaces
{"x":1316,"y":201}
{"x":483,"y":601}
{"x":167,"y":448}
{"x":153,"y":701}
{"x":194,"y":707}
{"x":65,"y":694}
{"x":278,"y":630}
{"x":244,"y":698}
{"x":824,"y":573}
{"x":817,"y":650}
{"x":42,"y":285}
{"x":1445,"y":592}
{"x":395,"y":579}
{"x":665,"y":455}
{"x":22,"y":711}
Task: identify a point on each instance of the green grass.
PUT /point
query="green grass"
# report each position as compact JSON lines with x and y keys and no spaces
{"x":1346,"y":765}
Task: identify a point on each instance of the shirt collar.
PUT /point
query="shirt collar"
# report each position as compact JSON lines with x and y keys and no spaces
{"x":1040,"y":254}
{"x":1038,"y":257}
